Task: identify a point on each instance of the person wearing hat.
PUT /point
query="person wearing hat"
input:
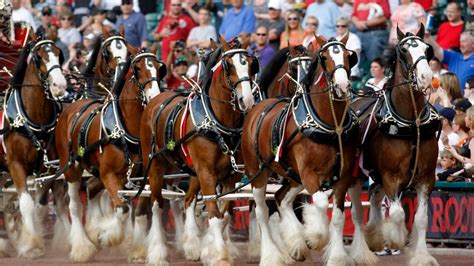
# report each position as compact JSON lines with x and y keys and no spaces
{"x":46,"y":19}
{"x":461,"y":105}
{"x":134,"y":23}
{"x":275,"y":24}
{"x":174,"y":77}
{"x":448,"y":136}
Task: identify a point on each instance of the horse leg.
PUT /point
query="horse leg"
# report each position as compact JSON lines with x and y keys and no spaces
{"x":419,"y":252}
{"x":316,"y":225}
{"x":373,"y":230}
{"x":215,"y":250}
{"x":190,"y":240}
{"x":138,"y":249}
{"x":360,"y":252}
{"x":292,"y":231}
{"x":254,"y":235}
{"x":335,"y":253}
{"x":41,"y":200}
{"x":157,"y":253}
{"x":394,"y":230}
{"x":270,"y":254}
{"x":178,"y":216}
{"x":94,"y":214}
{"x":31,"y":243}
{"x":112,"y":227}
{"x":82,"y":248}
{"x":61,"y":226}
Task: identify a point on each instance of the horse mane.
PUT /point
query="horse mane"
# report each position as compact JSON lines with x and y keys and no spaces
{"x":89,"y":70}
{"x":121,"y":80}
{"x":20,"y":68}
{"x":389,"y":58}
{"x":213,"y":58}
{"x":309,"y":79}
{"x":269,"y":72}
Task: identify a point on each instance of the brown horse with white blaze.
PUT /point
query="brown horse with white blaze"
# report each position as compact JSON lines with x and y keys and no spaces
{"x":113,"y":125}
{"x":31,"y":113}
{"x":317,"y":144}
{"x":225,"y":95}
{"x":400,"y":151}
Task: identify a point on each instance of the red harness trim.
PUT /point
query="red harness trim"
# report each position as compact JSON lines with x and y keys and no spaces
{"x":182,"y":133}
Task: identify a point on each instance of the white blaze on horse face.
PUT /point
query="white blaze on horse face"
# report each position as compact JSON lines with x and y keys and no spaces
{"x":424,"y":75}
{"x":155,"y":88}
{"x":244,"y":95}
{"x":56,"y":79}
{"x":340,"y":75}
{"x":118,"y":50}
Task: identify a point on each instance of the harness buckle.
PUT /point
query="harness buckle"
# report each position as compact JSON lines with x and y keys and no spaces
{"x":117,"y":132}
{"x":19,"y":121}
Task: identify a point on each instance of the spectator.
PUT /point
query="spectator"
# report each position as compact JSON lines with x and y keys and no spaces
{"x":468,"y":93}
{"x":112,"y":5}
{"x":218,"y":9}
{"x":460,"y":128}
{"x":275,"y":23}
{"x":262,"y":49}
{"x":311,"y":31}
{"x":448,"y":136}
{"x":238,"y":19}
{"x":134,"y":24}
{"x":61,"y":7}
{"x":260,"y":9}
{"x":449,"y":89}
{"x":173,"y":27}
{"x":353,"y":43}
{"x":294,"y":33}
{"x":20,"y":13}
{"x":200,"y":36}
{"x":378,"y":79}
{"x":344,"y":8}
{"x":46,"y":16}
{"x":450,"y":31}
{"x":436,"y":67}
{"x":407,"y":16}
{"x":327,"y":13}
{"x":466,"y":158}
{"x":369,"y":18}
{"x":451,"y":168}
{"x":191,"y":8}
{"x":174,"y":77}
{"x":68,"y":34}
{"x":462,"y":64}
{"x":469,"y":21}
{"x":97,"y":25}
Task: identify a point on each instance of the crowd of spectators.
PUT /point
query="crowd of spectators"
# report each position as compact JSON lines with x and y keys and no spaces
{"x":184,"y":29}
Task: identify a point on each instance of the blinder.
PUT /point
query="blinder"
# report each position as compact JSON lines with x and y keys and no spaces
{"x":255,"y":67}
{"x":353,"y":59}
{"x":429,"y":52}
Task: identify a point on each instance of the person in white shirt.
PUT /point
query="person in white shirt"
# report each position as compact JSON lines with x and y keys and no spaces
{"x":378,"y":79}
{"x":20,"y":13}
{"x":353,"y":42}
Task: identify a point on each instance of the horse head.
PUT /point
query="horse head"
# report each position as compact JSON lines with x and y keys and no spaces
{"x":239,"y":67}
{"x":299,"y":60}
{"x":47,"y":58}
{"x":336,"y":61}
{"x":148,"y":71}
{"x":114,"y":51}
{"x":414,"y":55}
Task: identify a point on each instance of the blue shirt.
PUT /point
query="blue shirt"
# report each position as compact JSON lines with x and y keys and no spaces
{"x":463,"y":68}
{"x":327,"y":13}
{"x":135,"y":28}
{"x":234,"y":23}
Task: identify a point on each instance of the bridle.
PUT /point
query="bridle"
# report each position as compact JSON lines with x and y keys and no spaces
{"x":301,"y":70}
{"x":43,"y":77}
{"x":105,"y":52}
{"x":141,"y":85}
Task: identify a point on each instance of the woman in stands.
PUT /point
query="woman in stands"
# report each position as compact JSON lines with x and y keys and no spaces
{"x":294,"y":33}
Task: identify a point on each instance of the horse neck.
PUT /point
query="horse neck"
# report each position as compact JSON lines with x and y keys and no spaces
{"x":322,"y":103}
{"x":401,"y":97}
{"x":37,"y":106}
{"x":131,"y":107}
{"x":223,"y":111}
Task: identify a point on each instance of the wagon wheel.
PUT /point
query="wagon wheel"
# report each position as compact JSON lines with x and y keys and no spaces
{"x":12,"y":220}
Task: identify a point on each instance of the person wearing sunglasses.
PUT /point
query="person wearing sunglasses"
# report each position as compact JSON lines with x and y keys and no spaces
{"x":134,"y":24}
{"x":353,"y":43}
{"x":262,"y":49}
{"x":326,"y":12}
{"x":68,"y":34}
{"x":311,"y":31}
{"x":275,"y":24}
{"x":294,"y":33}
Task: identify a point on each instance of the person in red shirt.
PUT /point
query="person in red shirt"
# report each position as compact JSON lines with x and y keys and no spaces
{"x":450,"y":31}
{"x":174,"y":26}
{"x":174,"y":79}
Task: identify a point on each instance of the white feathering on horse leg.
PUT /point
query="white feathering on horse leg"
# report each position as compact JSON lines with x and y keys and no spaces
{"x":157,"y":249}
{"x":4,"y":246}
{"x":215,"y":251}
{"x":138,"y":250}
{"x":394,"y":230}
{"x":270,"y":254}
{"x":360,"y":252}
{"x":335,"y":254}
{"x":94,"y":217}
{"x":419,"y":254}
{"x":316,"y":227}
{"x":31,"y":244}
{"x":190,"y":239}
{"x":292,"y":231}
{"x":112,"y":228}
{"x":178,"y":216}
{"x":82,"y":248}
{"x":373,"y":230}
{"x":254,"y":237}
{"x":61,"y":226}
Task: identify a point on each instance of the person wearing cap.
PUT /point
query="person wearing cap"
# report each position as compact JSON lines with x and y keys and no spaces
{"x":174,"y":77}
{"x":275,"y":24}
{"x":46,"y":19}
{"x":134,"y":23}
{"x":461,"y":105}
{"x":240,"y":18}
{"x":448,"y":136}
{"x":326,"y":12}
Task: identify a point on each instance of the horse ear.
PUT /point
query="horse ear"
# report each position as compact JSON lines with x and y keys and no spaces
{"x":131,"y":49}
{"x":291,"y":49}
{"x":213,"y":44}
{"x":122,"y":30}
{"x":310,"y":48}
{"x":32,"y":35}
{"x":345,"y":38}
{"x":319,"y":40}
{"x":106,"y":32}
{"x":154,"y":48}
{"x":400,"y":34}
{"x":421,"y":31}
{"x":52,"y":33}
{"x":225,"y":45}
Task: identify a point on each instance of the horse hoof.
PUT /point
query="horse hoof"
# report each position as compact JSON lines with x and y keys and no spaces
{"x":423,"y":258}
{"x":32,"y":253}
{"x":340,"y":260}
{"x":137,"y":255}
